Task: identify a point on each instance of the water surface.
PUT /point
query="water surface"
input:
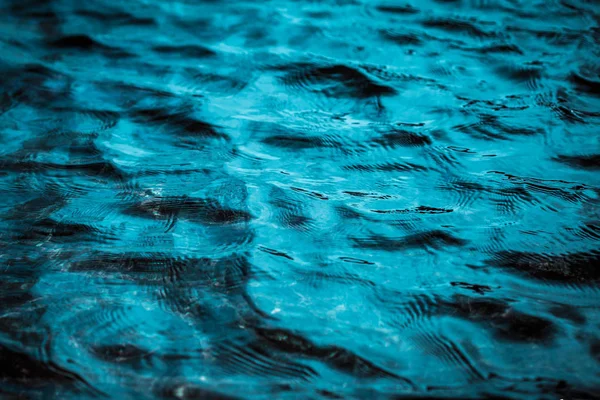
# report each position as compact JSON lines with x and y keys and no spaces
{"x":299,"y":199}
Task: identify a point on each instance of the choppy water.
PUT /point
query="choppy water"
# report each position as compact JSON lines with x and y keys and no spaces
{"x":285,"y":199}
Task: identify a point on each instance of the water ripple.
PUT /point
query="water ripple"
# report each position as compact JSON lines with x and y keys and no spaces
{"x":333,"y":199}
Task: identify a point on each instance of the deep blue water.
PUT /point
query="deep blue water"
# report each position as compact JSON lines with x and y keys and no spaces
{"x":299,"y":199}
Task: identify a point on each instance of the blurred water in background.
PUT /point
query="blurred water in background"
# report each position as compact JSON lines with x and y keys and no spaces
{"x":299,"y":199}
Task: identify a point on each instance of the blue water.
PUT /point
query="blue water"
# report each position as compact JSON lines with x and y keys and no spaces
{"x":299,"y":199}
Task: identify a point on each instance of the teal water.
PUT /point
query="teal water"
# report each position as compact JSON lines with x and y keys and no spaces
{"x":299,"y":199}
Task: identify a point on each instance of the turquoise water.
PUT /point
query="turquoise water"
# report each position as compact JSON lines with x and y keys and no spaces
{"x":285,"y":199}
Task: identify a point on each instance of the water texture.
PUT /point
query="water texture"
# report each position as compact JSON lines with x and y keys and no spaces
{"x":299,"y":199}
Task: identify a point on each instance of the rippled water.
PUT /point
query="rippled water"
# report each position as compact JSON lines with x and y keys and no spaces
{"x":285,"y":199}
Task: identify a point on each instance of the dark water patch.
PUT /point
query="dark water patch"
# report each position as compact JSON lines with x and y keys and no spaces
{"x":386,"y":167}
{"x":289,"y":138}
{"x":595,"y":349}
{"x":334,"y":81}
{"x":217,"y":84}
{"x":589,"y":231}
{"x":452,"y":25}
{"x":290,"y":212}
{"x":402,"y":39}
{"x":80,"y":42}
{"x":328,"y":394}
{"x":207,"y":211}
{"x":368,"y":195}
{"x":586,"y":83}
{"x":394,"y":77}
{"x":86,"y":149}
{"x":258,"y":361}
{"x":499,"y":49}
{"x":566,"y":107}
{"x":36,"y":83}
{"x":118,"y":18}
{"x":90,"y":121}
{"x":276,"y":252}
{"x":569,"y":115}
{"x":436,"y":239}
{"x":334,"y":356}
{"x":511,"y":200}
{"x":179,"y":123}
{"x":356,"y":261}
{"x":491,"y":127}
{"x":505,"y":321}
{"x":315,"y":195}
{"x":529,"y":75}
{"x":560,"y":37}
{"x":85,"y":43}
{"x":104,"y":169}
{"x":410,"y":124}
{"x":8,"y":101}
{"x":564,"y":190}
{"x":137,"y":92}
{"x":397,"y":9}
{"x":591,"y":162}
{"x":21,"y":368}
{"x":320,"y":279}
{"x":125,"y":353}
{"x":568,"y":312}
{"x":38,"y":208}
{"x":416,"y":210}
{"x":450,"y":353}
{"x":294,"y":142}
{"x":63,"y":232}
{"x":407,"y":310}
{"x":479,"y":289}
{"x":402,"y":138}
{"x":189,"y":51}
{"x":180,"y":280}
{"x":558,"y":268}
